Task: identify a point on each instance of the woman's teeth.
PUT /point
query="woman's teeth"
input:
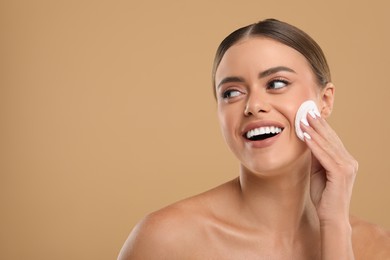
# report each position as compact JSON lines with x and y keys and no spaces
{"x":266,"y":130}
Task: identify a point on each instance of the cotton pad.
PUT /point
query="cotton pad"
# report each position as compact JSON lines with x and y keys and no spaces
{"x":306,"y":106}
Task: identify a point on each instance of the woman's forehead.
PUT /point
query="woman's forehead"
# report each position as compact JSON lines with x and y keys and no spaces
{"x":260,"y":53}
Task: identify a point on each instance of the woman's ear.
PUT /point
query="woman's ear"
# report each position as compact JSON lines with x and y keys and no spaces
{"x":327,"y":99}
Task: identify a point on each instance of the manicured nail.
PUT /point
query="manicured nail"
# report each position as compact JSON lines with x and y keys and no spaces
{"x":304,"y":121}
{"x":317,"y":113}
{"x":312,"y":114}
{"x":306,"y":135}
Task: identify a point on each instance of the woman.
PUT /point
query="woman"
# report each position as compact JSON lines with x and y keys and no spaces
{"x":291,"y":199}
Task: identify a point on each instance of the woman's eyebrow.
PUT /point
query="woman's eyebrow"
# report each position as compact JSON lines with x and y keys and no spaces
{"x":262,"y":74}
{"x":273,"y":70}
{"x":230,"y":79}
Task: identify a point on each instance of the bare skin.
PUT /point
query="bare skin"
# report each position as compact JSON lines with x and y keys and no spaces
{"x":211,"y":226}
{"x":291,"y":199}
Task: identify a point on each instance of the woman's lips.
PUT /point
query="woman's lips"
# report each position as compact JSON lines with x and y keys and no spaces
{"x":262,"y":134}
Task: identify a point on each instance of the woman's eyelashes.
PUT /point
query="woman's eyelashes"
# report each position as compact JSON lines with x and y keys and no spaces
{"x":231,"y":93}
{"x":274,"y":84}
{"x":277,"y":84}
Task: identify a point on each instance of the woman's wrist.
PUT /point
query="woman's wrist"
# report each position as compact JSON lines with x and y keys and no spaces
{"x":336,"y":240}
{"x":341,"y":222}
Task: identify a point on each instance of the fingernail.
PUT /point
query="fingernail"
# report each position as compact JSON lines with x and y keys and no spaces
{"x":306,"y":135}
{"x":317,"y":113}
{"x":304,"y":121}
{"x":312,"y":114}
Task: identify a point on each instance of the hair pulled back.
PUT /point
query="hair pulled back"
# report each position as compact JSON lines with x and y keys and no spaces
{"x":284,"y":33}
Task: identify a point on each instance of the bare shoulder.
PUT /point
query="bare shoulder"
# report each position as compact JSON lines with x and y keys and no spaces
{"x":370,"y":241}
{"x":177,"y":231}
{"x":159,"y":235}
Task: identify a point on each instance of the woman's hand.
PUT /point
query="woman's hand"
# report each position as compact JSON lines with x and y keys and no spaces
{"x":333,"y":170}
{"x":332,"y":177}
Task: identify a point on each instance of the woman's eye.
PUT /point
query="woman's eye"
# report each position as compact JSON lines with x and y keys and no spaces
{"x":231,"y":94}
{"x":277,"y":84}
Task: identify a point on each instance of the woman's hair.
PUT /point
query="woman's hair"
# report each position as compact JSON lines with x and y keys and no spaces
{"x":284,"y":33}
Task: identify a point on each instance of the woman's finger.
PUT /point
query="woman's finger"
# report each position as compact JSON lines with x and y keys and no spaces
{"x":325,"y":137}
{"x":326,"y":145}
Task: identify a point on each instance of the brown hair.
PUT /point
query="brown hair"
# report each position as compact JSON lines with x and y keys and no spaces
{"x":284,"y":33}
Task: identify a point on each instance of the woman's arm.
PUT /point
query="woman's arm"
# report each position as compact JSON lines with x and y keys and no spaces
{"x":333,"y":175}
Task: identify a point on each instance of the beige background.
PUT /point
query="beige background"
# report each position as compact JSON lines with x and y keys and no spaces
{"x":107,"y":113}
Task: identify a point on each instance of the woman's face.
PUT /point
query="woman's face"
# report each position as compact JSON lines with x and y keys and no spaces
{"x":260,"y":84}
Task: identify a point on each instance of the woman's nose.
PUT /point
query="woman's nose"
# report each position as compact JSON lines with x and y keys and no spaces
{"x":256,"y":104}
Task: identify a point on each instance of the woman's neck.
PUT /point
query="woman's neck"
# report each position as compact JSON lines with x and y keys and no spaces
{"x":279,"y":203}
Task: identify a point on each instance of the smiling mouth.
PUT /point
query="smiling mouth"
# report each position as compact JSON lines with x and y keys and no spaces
{"x":262,"y":133}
